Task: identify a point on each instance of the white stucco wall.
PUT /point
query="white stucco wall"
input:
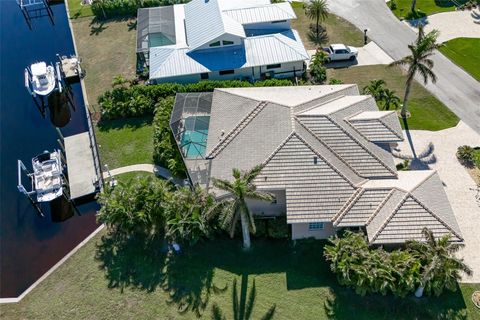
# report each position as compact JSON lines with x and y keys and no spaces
{"x":277,"y":208}
{"x":285,"y":71}
{"x":300,"y":231}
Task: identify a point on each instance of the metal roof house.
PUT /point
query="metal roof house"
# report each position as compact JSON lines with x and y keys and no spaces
{"x":219,"y":39}
{"x":325,"y":152}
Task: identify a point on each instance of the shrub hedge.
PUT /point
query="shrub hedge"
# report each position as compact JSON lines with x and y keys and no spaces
{"x":107,"y":9}
{"x":140,"y":100}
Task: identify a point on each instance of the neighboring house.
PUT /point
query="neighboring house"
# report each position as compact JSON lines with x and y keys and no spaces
{"x":326,"y":157}
{"x":219,"y":39}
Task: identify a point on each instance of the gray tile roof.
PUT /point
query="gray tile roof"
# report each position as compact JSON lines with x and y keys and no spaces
{"x":378,"y":126}
{"x":300,"y":150}
{"x":405,"y":213}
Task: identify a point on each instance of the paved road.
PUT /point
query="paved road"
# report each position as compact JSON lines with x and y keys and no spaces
{"x":454,"y":87}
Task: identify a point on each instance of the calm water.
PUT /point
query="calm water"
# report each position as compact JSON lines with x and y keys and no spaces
{"x":30,"y":245}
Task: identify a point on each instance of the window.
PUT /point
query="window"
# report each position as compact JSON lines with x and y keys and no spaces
{"x":314,"y":226}
{"x":225,"y":72}
{"x":274,"y":66}
{"x":214,"y":44}
{"x":204,"y":76}
{"x":227,"y":43}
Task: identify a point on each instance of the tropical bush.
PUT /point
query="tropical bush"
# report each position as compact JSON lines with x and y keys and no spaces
{"x":141,"y":100}
{"x":151,"y":208}
{"x":369,"y":270}
{"x":384,"y":97}
{"x":165,"y":150}
{"x":466,"y":155}
{"x":430,"y":265}
{"x":106,"y":9}
{"x":190,"y":215}
{"x":318,"y":72}
{"x":135,"y":207}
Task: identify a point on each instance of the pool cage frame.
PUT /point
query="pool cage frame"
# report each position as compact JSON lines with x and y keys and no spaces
{"x":188,"y":114}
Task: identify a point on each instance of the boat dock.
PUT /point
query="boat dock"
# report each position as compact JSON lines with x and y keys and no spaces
{"x":81,"y":167}
{"x":70,"y":67}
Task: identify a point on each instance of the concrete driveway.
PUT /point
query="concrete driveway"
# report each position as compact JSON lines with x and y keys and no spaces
{"x":460,"y":187}
{"x":454,"y":87}
{"x":455,"y":24}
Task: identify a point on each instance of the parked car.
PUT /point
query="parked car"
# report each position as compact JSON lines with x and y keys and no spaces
{"x":337,"y":52}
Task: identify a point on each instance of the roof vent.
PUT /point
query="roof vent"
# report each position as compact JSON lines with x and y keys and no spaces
{"x":315,"y":160}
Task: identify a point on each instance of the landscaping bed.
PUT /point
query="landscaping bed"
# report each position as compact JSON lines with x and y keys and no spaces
{"x":465,"y":52}
{"x":104,"y":281}
{"x":428,"y":113}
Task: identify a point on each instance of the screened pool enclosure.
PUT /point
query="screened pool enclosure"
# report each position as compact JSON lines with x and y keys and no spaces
{"x":189,"y":123}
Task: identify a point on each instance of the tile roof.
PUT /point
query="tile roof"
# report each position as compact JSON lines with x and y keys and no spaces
{"x":378,"y":126}
{"x":300,"y":152}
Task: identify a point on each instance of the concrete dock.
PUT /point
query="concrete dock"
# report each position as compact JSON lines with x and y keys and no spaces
{"x":82,"y":174}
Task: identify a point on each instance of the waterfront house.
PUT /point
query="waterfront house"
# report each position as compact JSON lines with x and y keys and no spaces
{"x":220,"y":40}
{"x":326,"y":155}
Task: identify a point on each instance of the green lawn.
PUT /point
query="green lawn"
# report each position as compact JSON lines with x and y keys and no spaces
{"x":428,"y":113}
{"x":338,"y":30}
{"x":126,"y":141}
{"x":77,"y":10}
{"x":125,"y":177}
{"x":109,"y":280}
{"x":465,"y":52}
{"x":424,"y":7}
{"x":107,"y":49}
{"x":477,"y":157}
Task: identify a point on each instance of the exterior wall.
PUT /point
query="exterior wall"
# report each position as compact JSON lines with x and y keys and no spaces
{"x":263,"y":208}
{"x":237,"y":41}
{"x":285,"y":71}
{"x":300,"y":231}
{"x":285,"y":25}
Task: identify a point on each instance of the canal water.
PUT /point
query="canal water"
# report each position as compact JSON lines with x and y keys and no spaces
{"x":30,"y":244}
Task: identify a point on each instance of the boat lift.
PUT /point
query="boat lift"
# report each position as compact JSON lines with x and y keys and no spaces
{"x":32,"y":9}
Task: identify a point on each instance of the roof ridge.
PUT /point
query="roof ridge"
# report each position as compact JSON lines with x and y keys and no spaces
{"x":435,"y":216}
{"x":344,"y":106}
{"x":172,"y":50}
{"x":348,"y":205}
{"x":280,"y":146}
{"x":362,"y":145}
{"x":384,"y":224}
{"x":380,"y":205}
{"x":237,"y":129}
{"x":279,"y":37}
{"x":388,"y":127}
{"x":432,"y":172}
{"x":327,"y":146}
{"x":320,"y":104}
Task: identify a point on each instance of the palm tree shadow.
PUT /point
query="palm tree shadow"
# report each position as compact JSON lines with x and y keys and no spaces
{"x":317,"y":39}
{"x":419,"y":161}
{"x":97,"y":27}
{"x":242,"y":307}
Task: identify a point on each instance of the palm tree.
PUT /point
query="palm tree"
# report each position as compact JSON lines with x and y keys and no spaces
{"x":235,"y":207}
{"x":419,"y":61}
{"x":441,"y":268}
{"x":375,"y":88}
{"x":317,"y":10}
{"x":389,"y":99}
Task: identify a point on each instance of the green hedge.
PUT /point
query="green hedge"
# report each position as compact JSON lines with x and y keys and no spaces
{"x":140,"y":100}
{"x":107,"y":9}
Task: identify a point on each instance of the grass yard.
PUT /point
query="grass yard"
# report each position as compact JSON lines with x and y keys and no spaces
{"x":77,"y":10}
{"x":428,"y":113}
{"x":424,"y":7}
{"x":125,"y":142}
{"x":338,"y":30}
{"x":465,"y":52}
{"x":109,"y":280}
{"x":125,"y":177}
{"x":107,"y":49}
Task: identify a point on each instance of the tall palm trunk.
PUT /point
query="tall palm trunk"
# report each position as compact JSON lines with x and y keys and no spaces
{"x":245,"y":229}
{"x":414,"y":3}
{"x":403,"y":113}
{"x":318,"y":25}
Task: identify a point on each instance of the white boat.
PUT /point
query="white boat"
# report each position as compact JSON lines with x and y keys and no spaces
{"x":48,"y":176}
{"x":40,"y":79}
